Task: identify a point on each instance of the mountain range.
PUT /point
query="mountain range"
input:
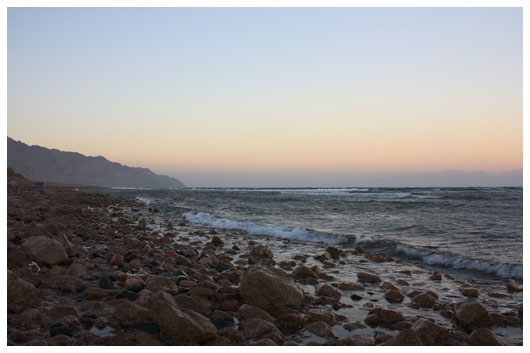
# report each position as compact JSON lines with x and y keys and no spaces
{"x":51,"y":165}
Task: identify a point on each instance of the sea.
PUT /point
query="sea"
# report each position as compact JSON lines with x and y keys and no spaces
{"x":472,"y":230}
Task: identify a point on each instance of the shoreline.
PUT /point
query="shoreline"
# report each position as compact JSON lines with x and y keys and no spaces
{"x":122,"y":262}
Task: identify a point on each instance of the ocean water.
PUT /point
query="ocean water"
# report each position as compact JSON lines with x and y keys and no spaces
{"x":457,"y":229}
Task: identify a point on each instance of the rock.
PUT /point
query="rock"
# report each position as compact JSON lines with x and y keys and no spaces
{"x":291,"y":323}
{"x":381,"y":337}
{"x":117,"y":260}
{"x":60,"y":329}
{"x":134,"y":284}
{"x":429,"y":333}
{"x":105,"y":282}
{"x":349,"y":286}
{"x":303,"y":272}
{"x":128,"y":313}
{"x":356,"y":297}
{"x":424,"y":300}
{"x":127,"y":295}
{"x":512,"y":286}
{"x":485,"y":337}
{"x":321,"y":329}
{"x":261,"y":252}
{"x":255,"y":328}
{"x":247,"y":311}
{"x":97,"y":292}
{"x":45,"y":250}
{"x":269,"y":287}
{"x":64,"y":310}
{"x":394,"y":295}
{"x":321,"y":314}
{"x":372,"y":320}
{"x":156,"y":283}
{"x":218,"y":242}
{"x":469,"y":292}
{"x":386,"y":316}
{"x":326,"y":290}
{"x":470,"y":315}
{"x":333,"y":251}
{"x":221,"y":319}
{"x":353,"y":326}
{"x":182,"y":325}
{"x":368,"y":277}
{"x":436,"y":276}
{"x":232,"y":334}
{"x":20,"y":293}
{"x":406,"y":337}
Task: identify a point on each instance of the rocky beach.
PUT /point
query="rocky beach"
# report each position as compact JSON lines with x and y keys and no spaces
{"x":93,"y":269}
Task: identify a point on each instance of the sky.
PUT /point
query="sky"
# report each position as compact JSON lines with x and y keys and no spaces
{"x":274,"y":96}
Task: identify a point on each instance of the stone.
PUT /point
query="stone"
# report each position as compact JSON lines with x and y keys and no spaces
{"x":60,"y":329}
{"x":353,"y":326}
{"x":333,"y":251}
{"x":255,"y":328}
{"x":436,"y":276}
{"x":105,"y":282}
{"x":321,"y":329}
{"x":182,"y":325}
{"x":127,"y":295}
{"x":302,"y":272}
{"x":134,"y":284}
{"x":247,"y":311}
{"x":512,"y":286}
{"x":394,"y":295}
{"x":218,"y":242}
{"x":326,"y":290}
{"x":291,"y":323}
{"x":117,"y":260}
{"x":368,"y":277}
{"x":470,"y":315}
{"x":64,"y":310}
{"x":485,"y":337}
{"x":424,"y":300}
{"x":386,"y":316}
{"x":20,"y":293}
{"x":232,"y":334}
{"x":45,"y":250}
{"x":269,"y":287}
{"x":349,"y":286}
{"x":221,"y":318}
{"x":321,"y":314}
{"x":469,"y":292}
{"x":156,"y":283}
{"x":430,"y":333}
{"x":406,"y":337}
{"x":261,"y":252}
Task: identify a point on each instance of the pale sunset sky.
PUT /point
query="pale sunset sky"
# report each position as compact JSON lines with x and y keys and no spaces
{"x":273,"y":96}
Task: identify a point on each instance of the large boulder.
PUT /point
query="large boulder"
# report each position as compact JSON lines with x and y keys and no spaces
{"x":470,"y":315}
{"x":155,"y":283}
{"x":45,"y":250}
{"x":406,"y":337}
{"x":250,"y":311}
{"x":255,"y":328}
{"x":128,"y":313}
{"x":20,"y":293}
{"x":269,"y":287}
{"x":183,"y":326}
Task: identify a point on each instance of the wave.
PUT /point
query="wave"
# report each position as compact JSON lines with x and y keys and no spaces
{"x":461,"y":263}
{"x":145,"y":200}
{"x":270,"y":230}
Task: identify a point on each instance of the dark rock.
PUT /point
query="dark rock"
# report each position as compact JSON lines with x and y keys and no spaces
{"x":105,"y":282}
{"x":150,"y":327}
{"x":470,"y":315}
{"x":60,"y":329}
{"x":127,"y":294}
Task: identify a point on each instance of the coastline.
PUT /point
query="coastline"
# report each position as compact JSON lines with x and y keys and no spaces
{"x":114,"y":268}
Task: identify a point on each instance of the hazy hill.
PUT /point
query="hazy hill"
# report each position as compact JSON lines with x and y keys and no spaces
{"x":42,"y":164}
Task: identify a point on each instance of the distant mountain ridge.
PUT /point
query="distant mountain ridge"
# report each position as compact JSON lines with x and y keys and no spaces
{"x":51,"y":165}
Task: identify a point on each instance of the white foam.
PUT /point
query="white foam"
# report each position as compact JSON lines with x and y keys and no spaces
{"x":145,"y":200}
{"x":460,"y":262}
{"x":270,"y":230}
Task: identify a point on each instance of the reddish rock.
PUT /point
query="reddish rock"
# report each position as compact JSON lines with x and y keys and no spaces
{"x":182,"y":325}
{"x":321,"y":314}
{"x":20,"y":293}
{"x":218,"y":242}
{"x":255,"y":328}
{"x":269,"y":287}
{"x":386,"y":316}
{"x":405,"y":337}
{"x":326,"y":290}
{"x":63,"y":310}
{"x":333,"y":251}
{"x":353,"y":326}
{"x":155,"y":283}
{"x":470,"y":315}
{"x":291,"y":323}
{"x":424,"y":300}
{"x":512,"y":286}
{"x":247,"y":311}
{"x":128,"y":313}
{"x":485,"y":337}
{"x":349,"y":286}
{"x":261,"y":252}
{"x":45,"y":250}
{"x":436,"y":276}
{"x":368,"y":277}
{"x":117,"y":260}
{"x":429,"y":333}
{"x":394,"y":295}
{"x":321,"y":329}
{"x":303,"y":272}
{"x":469,"y":292}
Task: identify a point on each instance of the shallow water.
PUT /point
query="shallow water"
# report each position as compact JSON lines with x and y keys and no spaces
{"x":457,"y":229}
